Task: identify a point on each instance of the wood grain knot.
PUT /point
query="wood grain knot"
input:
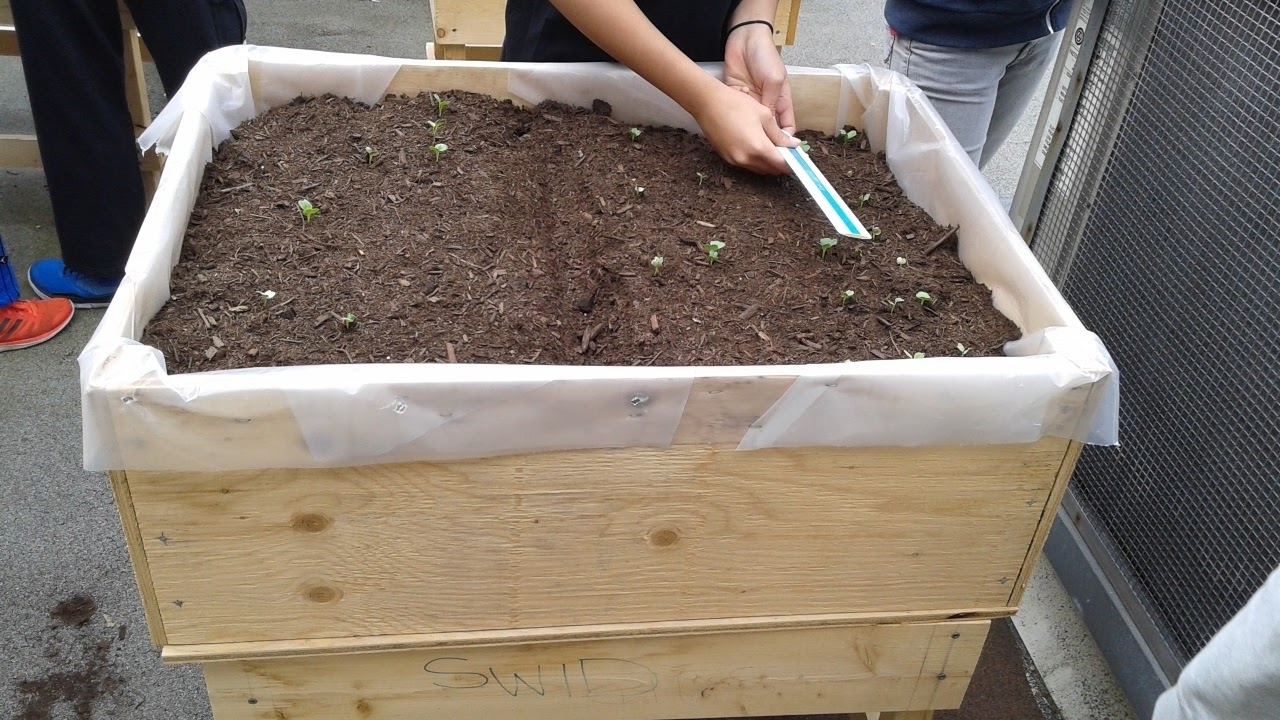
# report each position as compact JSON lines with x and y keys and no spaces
{"x":322,"y":594}
{"x":310,"y":522}
{"x":440,"y":32}
{"x":664,"y":537}
{"x":363,"y":707}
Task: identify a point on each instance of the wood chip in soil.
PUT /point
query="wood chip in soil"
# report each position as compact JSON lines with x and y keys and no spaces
{"x":531,"y":239}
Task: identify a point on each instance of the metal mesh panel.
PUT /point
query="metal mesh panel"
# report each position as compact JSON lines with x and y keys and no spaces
{"x":1162,"y":225}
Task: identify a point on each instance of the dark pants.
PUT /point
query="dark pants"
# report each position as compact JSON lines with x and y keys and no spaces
{"x":73,"y":59}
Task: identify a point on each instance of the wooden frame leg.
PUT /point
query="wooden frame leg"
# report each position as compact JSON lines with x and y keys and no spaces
{"x":135,"y":89}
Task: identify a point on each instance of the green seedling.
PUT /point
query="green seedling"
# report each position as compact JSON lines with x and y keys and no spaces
{"x":369,"y":155}
{"x":875,"y":233}
{"x":702,"y":177}
{"x":960,"y":348}
{"x":846,"y":136}
{"x":901,"y":261}
{"x":893,"y":304}
{"x":308,"y":210}
{"x":441,"y":104}
{"x":656,"y":264}
{"x":633,"y":134}
{"x":267,"y":294}
{"x":913,"y":356}
{"x":639,"y":191}
{"x":825,"y":245}
{"x":804,"y":146}
{"x":435,"y":126}
{"x":863,"y":199}
{"x":348,"y":321}
{"x":924,"y":298}
{"x":438,"y":150}
{"x":845,"y":297}
{"x":712,"y":249}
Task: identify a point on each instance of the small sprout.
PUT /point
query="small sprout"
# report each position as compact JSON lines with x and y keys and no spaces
{"x":863,"y":199}
{"x":804,"y":146}
{"x":825,"y":244}
{"x":348,"y":321}
{"x":435,"y":126}
{"x":712,"y":249}
{"x":960,"y":348}
{"x":438,"y":150}
{"x":369,"y":155}
{"x":702,"y":177}
{"x":901,"y":261}
{"x":308,"y":210}
{"x":639,"y":191}
{"x":893,"y":304}
{"x":656,"y":264}
{"x":441,"y":104}
{"x":924,"y":298}
{"x":913,"y":356}
{"x":845,"y":297}
{"x":267,"y":294}
{"x":846,"y":136}
{"x":633,"y":134}
{"x":875,"y":233}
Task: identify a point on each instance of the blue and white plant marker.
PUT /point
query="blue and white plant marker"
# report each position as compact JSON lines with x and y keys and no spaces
{"x":841,"y":217}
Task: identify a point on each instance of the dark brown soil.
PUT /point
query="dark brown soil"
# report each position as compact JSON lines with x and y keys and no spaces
{"x":75,"y":611}
{"x":529,"y":241}
{"x":85,"y":678}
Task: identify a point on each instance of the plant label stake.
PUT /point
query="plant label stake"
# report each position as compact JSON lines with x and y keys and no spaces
{"x":841,"y":217}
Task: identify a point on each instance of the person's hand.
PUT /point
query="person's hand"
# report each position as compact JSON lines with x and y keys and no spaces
{"x":742,"y":130}
{"x":752,"y":65}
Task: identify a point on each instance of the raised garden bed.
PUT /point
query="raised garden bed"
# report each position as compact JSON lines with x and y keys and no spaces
{"x":683,"y":541}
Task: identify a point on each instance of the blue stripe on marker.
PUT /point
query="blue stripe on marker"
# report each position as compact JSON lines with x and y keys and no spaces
{"x":822,"y":186}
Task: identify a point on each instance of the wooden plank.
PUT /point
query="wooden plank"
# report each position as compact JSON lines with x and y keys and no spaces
{"x":469,"y":22}
{"x":907,"y":715}
{"x":137,"y":555}
{"x":725,"y":675}
{"x":784,"y":23}
{"x":721,"y":408}
{"x":1050,"y":510}
{"x":19,"y":151}
{"x":216,"y":652}
{"x":588,"y":538}
{"x":8,"y":39}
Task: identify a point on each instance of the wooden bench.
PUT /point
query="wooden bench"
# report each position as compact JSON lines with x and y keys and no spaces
{"x":22,"y":151}
{"x":473,"y":29}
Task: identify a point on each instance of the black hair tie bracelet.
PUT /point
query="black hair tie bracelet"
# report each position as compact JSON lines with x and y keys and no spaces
{"x":750,"y":22}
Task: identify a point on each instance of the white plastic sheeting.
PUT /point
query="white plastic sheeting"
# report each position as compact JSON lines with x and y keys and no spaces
{"x":1058,"y":379}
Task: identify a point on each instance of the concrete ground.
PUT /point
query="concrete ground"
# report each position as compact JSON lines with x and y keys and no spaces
{"x":61,"y":541}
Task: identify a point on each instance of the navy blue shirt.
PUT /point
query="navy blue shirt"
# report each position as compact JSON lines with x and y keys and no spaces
{"x":537,"y":32}
{"x":976,"y":24}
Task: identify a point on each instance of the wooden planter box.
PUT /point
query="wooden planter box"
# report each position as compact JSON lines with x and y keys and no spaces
{"x":412,"y":541}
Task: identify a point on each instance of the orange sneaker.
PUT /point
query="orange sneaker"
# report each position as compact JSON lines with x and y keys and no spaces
{"x":24,"y":323}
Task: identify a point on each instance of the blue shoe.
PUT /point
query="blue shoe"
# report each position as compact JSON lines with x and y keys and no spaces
{"x":50,"y":278}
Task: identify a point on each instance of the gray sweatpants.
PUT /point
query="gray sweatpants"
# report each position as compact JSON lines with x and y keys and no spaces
{"x":1236,"y":676}
{"x":980,"y":94}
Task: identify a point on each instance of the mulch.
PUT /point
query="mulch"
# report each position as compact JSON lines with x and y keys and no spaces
{"x":531,"y":239}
